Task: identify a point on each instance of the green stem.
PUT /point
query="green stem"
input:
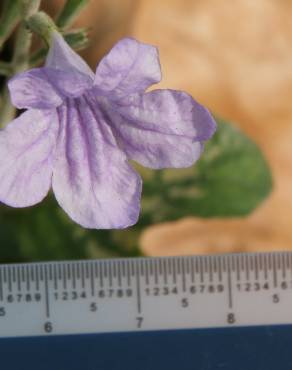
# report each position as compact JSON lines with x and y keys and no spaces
{"x":20,"y":61}
{"x":19,"y":64}
{"x":21,"y":51}
{"x":5,"y":69}
{"x":29,"y":7}
{"x":42,"y":25}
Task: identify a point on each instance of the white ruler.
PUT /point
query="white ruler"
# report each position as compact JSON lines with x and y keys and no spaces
{"x":145,"y":294}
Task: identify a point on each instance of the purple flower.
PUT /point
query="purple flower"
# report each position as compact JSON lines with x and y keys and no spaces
{"x":80,"y":130}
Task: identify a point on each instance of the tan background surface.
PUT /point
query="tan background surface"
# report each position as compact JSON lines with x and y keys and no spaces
{"x":234,"y":56}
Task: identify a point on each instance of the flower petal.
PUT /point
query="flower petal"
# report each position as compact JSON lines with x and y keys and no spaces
{"x":162,"y":128}
{"x":92,"y":180}
{"x":26,"y":147}
{"x":62,"y":56}
{"x":168,"y":111}
{"x":129,"y":67}
{"x":33,"y":89}
{"x":45,"y":88}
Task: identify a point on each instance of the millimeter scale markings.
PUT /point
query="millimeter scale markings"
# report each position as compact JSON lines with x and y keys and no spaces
{"x":123,"y":295}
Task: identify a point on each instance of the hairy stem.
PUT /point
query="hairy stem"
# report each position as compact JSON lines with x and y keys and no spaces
{"x":29,"y":7}
{"x":21,"y":51}
{"x":20,"y":60}
{"x":42,"y":25}
{"x":19,"y":64}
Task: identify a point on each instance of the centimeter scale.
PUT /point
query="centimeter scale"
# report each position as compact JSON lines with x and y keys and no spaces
{"x":197,"y":312}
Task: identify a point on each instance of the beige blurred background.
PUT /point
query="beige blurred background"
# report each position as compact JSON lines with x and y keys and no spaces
{"x":235,"y":57}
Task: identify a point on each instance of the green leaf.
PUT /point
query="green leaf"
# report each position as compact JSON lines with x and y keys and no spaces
{"x":8,"y":238}
{"x":70,"y":11}
{"x":231,"y":179}
{"x":44,"y":232}
{"x":78,"y":38}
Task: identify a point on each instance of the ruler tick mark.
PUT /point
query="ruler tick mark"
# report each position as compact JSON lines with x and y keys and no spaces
{"x":50,"y":271}
{"x":37,"y":278}
{"x":160,"y":266}
{"x":139,"y":307}
{"x":9,"y":280}
{"x":82,"y":276}
{"x":13,"y":274}
{"x":155,"y":273}
{"x":164,"y":272}
{"x":46,"y":291}
{"x":183,"y":275}
{"x":201,"y":269}
{"x":283,"y":265}
{"x":55,"y":277}
{"x":178,"y":263}
{"x":110,"y":274}
{"x":192,"y":270}
{"x":92,"y":278}
{"x":27,"y":278}
{"x":64,"y":276}
{"x":147,"y":272}
{"x":274,"y":266}
{"x":31,"y":269}
{"x":119,"y":274}
{"x":100,"y":274}
{"x":247,"y":274}
{"x":18,"y":280}
{"x":230,"y":300}
{"x":237,"y":268}
{"x":265,"y":264}
{"x":22,"y":275}
{"x":74,"y":275}
{"x":128,"y":273}
{"x":256,"y":267}
{"x":173,"y":270}
{"x":220,"y":269}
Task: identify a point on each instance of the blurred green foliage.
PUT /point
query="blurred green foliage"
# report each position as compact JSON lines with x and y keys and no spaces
{"x":230,"y":179}
{"x":69,"y":12}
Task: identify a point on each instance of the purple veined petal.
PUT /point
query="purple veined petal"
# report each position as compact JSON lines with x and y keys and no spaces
{"x":168,"y":111}
{"x":67,"y":83}
{"x":46,"y":88}
{"x":129,"y":67}
{"x":33,"y":89}
{"x":61,"y":56}
{"x":26,"y":151}
{"x":92,"y":180}
{"x":155,"y":150}
{"x":160,"y":129}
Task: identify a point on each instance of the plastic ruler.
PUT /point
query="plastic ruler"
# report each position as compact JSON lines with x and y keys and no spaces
{"x":193,"y":312}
